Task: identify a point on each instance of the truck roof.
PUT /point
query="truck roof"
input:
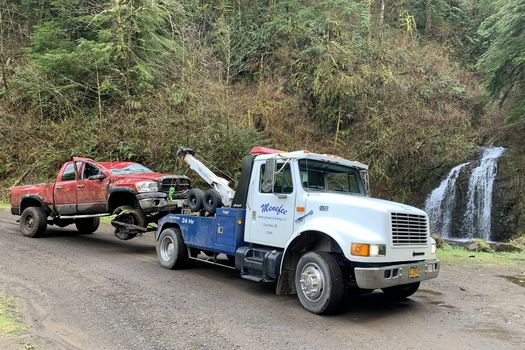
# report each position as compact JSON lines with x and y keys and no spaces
{"x":314,"y":156}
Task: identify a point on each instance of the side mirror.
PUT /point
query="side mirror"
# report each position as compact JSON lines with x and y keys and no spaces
{"x":97,"y":177}
{"x":269,"y":176}
{"x":366,"y":181}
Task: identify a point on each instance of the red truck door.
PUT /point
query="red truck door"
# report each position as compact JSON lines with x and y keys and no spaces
{"x":65,"y":191}
{"x":92,"y":189}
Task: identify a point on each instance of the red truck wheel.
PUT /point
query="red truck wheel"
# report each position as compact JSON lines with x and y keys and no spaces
{"x":129,"y":215}
{"x":87,"y":226}
{"x":33,"y":222}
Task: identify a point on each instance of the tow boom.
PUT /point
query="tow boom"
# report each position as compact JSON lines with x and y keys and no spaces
{"x":218,"y":183}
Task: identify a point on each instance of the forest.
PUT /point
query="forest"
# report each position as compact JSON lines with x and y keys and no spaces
{"x":410,"y":87}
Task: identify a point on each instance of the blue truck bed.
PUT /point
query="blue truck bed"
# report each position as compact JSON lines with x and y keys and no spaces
{"x":222,"y":233}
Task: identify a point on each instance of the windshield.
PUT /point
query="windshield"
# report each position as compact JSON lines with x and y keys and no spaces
{"x":131,"y":169}
{"x":321,"y":176}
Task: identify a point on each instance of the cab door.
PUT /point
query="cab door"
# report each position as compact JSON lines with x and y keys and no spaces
{"x":65,"y":191}
{"x":270,"y":213}
{"x":92,"y":188}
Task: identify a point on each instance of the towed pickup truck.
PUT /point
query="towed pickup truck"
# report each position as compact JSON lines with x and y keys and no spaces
{"x":86,"y":190}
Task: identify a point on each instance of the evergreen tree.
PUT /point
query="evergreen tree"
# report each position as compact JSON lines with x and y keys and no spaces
{"x":503,"y":61}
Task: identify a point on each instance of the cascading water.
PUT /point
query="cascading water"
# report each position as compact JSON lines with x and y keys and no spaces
{"x":443,"y":205}
{"x":477,"y":222}
{"x":442,"y":202}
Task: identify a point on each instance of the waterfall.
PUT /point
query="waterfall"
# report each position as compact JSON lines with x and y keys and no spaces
{"x":444,"y":207}
{"x":442,"y":201}
{"x":477,"y":221}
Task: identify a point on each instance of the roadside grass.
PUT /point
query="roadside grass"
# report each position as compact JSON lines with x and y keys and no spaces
{"x":460,"y":255}
{"x":10,"y":323}
{"x":4,"y":205}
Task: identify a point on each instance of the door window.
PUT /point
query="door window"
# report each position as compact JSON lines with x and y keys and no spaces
{"x":89,"y":170}
{"x":69,"y":173}
{"x":283,"y":179}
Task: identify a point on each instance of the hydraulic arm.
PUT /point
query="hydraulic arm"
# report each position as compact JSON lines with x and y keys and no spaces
{"x":218,"y":183}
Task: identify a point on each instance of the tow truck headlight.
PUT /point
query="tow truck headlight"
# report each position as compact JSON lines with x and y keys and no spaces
{"x":433,"y":249}
{"x":147,"y":186}
{"x":364,"y":249}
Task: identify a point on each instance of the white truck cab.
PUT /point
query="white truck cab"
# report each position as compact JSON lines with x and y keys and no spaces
{"x":304,"y":220}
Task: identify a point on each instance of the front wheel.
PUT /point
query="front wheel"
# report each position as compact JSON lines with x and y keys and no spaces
{"x":319,"y":282}
{"x":401,"y":292}
{"x":129,"y":215}
{"x":171,"y":250}
{"x":33,"y":222}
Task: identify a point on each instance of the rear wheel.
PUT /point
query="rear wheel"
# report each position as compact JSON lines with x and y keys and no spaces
{"x":171,"y":249}
{"x":401,"y":292}
{"x":129,"y":215}
{"x":33,"y":222}
{"x":88,"y":225}
{"x":319,"y":282}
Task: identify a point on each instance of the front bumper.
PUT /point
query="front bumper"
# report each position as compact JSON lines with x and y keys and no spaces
{"x":394,"y":275}
{"x":157,"y":202}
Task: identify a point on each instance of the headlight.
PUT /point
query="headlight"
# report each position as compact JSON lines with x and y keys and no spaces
{"x":147,"y":186}
{"x":433,"y":249}
{"x":364,"y":249}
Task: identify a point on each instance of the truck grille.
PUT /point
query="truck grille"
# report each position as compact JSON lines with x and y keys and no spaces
{"x":409,"y":229}
{"x":180,"y":185}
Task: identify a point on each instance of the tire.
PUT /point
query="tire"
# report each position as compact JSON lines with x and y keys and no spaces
{"x":171,"y":249}
{"x":129,"y":215}
{"x":195,"y":199}
{"x":211,"y":201}
{"x":401,"y":292}
{"x":319,"y":282}
{"x":88,"y":225}
{"x":33,"y":222}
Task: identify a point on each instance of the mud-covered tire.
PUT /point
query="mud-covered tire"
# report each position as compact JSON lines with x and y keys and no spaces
{"x":33,"y":222}
{"x":195,"y":199}
{"x":211,"y":201}
{"x":401,"y":292}
{"x":87,"y":225}
{"x":171,"y":249}
{"x":319,"y":282}
{"x":129,"y":215}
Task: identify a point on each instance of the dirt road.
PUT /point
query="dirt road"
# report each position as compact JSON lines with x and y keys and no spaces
{"x":96,"y":292}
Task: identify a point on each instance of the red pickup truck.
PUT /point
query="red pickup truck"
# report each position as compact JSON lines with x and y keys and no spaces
{"x":86,"y":190}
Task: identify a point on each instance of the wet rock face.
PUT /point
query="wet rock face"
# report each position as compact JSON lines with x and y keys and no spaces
{"x":508,"y":212}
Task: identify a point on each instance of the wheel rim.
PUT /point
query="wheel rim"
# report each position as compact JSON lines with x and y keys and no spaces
{"x":127,"y":219}
{"x":312,"y":282}
{"x":30,"y":222}
{"x":167,"y":248}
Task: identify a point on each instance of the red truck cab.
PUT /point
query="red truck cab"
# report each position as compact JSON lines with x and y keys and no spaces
{"x":85,"y":190}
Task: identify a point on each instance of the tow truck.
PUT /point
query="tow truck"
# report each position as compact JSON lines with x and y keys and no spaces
{"x":304,"y":221}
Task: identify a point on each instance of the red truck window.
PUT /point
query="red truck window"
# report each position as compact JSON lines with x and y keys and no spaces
{"x":69,"y":173}
{"x":89,"y":170}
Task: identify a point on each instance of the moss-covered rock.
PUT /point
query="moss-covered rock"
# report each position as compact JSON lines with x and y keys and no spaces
{"x":477,"y":245}
{"x":440,"y":242}
{"x":507,"y":247}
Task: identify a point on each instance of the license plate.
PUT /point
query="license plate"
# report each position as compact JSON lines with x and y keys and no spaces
{"x":413,"y":272}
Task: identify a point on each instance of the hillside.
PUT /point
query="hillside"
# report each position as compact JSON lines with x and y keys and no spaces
{"x":400,"y":85}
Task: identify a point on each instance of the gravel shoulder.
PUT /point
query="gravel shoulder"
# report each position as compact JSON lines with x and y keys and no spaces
{"x":96,"y":292}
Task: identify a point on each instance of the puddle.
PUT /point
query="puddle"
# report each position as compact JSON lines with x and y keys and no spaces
{"x":442,"y":304}
{"x":519,"y":279}
{"x":429,"y":291}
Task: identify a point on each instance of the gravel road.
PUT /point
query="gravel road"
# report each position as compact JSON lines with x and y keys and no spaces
{"x":97,"y":292}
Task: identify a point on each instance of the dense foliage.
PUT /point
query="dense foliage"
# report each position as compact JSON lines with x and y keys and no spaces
{"x":396,"y":84}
